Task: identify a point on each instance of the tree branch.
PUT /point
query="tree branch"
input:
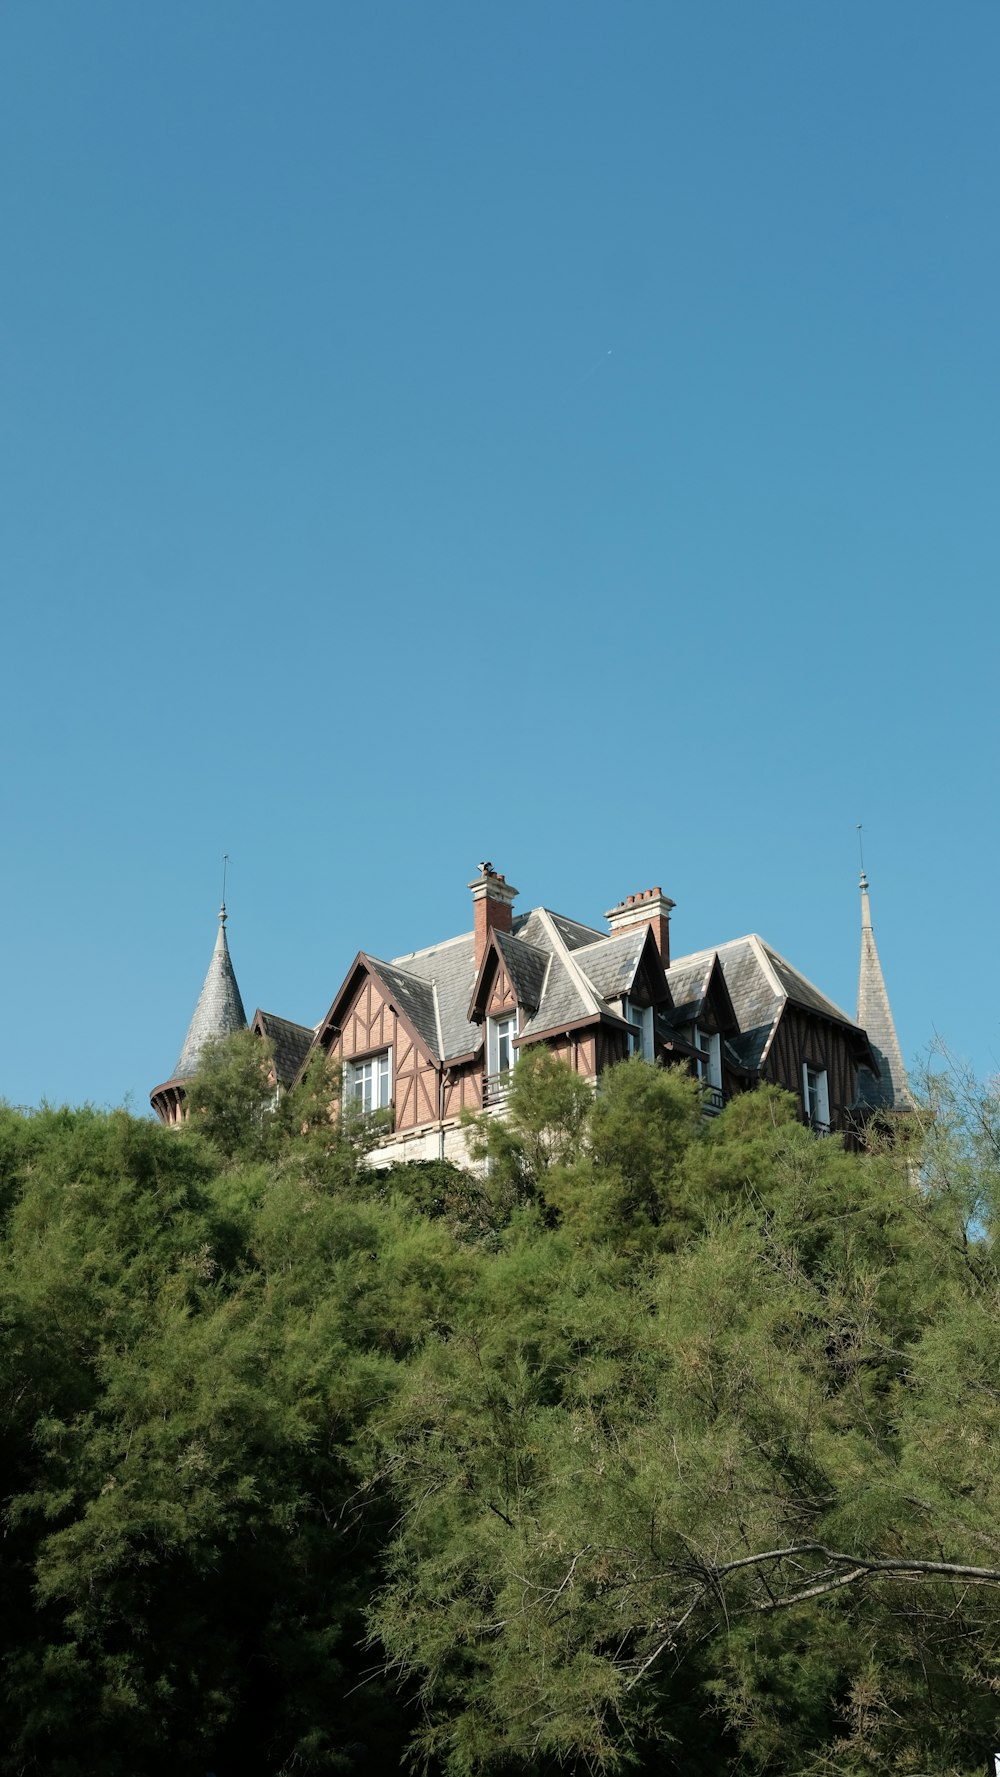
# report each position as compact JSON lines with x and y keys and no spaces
{"x":898,"y":1564}
{"x":855,"y":1568}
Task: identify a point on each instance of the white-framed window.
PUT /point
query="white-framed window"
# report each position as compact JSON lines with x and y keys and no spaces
{"x":816,"y":1096}
{"x":500,"y":1052}
{"x":709,"y":1062}
{"x":370,"y":1082}
{"x":641,"y":1037}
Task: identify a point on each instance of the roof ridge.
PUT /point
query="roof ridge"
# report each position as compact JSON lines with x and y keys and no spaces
{"x":761,"y":950}
{"x":783,"y":960}
{"x":280,"y":1018}
{"x":580,"y":924}
{"x":770,"y":1037}
{"x":589,"y":994}
{"x":693,"y":956}
{"x":384,"y":962}
{"x":636,"y":931}
{"x":442,"y":944}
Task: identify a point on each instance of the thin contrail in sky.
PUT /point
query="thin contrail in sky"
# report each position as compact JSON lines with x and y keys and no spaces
{"x":594,"y":368}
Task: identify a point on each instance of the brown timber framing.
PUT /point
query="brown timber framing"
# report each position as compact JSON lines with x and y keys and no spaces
{"x":806,"y":1036}
{"x":736,"y":1016}
{"x":428,"y":1090}
{"x":492,"y":977}
{"x":418,"y":1089}
{"x":502,"y":996}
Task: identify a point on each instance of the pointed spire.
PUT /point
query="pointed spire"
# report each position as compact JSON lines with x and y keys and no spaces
{"x":891,"y":1090}
{"x":219,"y":1011}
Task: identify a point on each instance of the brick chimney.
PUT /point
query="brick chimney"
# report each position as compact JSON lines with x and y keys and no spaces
{"x":651,"y":907}
{"x":492,"y":903}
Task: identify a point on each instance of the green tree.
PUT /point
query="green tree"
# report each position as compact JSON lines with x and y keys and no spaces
{"x":187,"y":1546}
{"x":667,"y":1445}
{"x":731,"y":1503}
{"x":543,"y":1128}
{"x":232,"y":1099}
{"x":627,"y":1185}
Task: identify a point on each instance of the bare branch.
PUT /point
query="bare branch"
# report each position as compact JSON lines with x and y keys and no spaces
{"x":854,"y":1569}
{"x":817,"y":1591}
{"x":669,"y":1640}
{"x":899,"y":1564}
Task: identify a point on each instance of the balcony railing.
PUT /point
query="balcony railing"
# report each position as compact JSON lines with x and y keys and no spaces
{"x":496,"y":1088}
{"x":496,"y":1091}
{"x":380,"y":1122}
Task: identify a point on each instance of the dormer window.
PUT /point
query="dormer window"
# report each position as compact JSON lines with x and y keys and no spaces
{"x":500,"y":1052}
{"x":641,"y":1034}
{"x":709,"y":1060}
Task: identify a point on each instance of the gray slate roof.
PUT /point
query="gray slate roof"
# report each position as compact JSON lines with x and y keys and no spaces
{"x":688,"y":982}
{"x":760,"y":983}
{"x":440,"y":981}
{"x":610,"y":965}
{"x":219,"y":1011}
{"x":414,"y":997}
{"x":548,"y":958}
{"x":291,"y":1044}
{"x":573,"y":934}
{"x":527,"y":966}
{"x":890,"y":1089}
{"x":569,"y":996}
{"x":565,"y":973}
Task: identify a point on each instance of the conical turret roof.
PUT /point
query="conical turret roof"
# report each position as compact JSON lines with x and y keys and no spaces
{"x":891,"y":1090}
{"x":219,"y":1011}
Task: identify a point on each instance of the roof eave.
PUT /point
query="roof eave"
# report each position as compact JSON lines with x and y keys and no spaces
{"x":566,"y":1027}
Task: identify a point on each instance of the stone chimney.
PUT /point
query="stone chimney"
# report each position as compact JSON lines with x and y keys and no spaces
{"x":651,"y":907}
{"x":492,"y":903}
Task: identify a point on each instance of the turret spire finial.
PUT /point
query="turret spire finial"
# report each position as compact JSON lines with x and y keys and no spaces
{"x":861,"y":855}
{"x":218,"y":1013}
{"x":891,"y":1089}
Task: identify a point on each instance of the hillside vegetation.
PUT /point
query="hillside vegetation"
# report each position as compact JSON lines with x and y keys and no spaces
{"x":667,"y":1445}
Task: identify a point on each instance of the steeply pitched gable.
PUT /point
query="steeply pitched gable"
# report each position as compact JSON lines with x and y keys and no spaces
{"x":290,"y":1043}
{"x":760,"y":983}
{"x":412,"y":999}
{"x":615,"y":966}
{"x":429,"y":990}
{"x":525,"y":967}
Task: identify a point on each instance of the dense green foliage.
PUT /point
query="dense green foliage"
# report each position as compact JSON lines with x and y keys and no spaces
{"x":658,"y":1443}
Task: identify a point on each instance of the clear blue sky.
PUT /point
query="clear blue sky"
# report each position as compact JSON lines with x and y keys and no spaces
{"x":559,"y":433}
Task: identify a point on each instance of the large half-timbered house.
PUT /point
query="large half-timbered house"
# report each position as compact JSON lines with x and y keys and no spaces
{"x":435,"y":1033}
